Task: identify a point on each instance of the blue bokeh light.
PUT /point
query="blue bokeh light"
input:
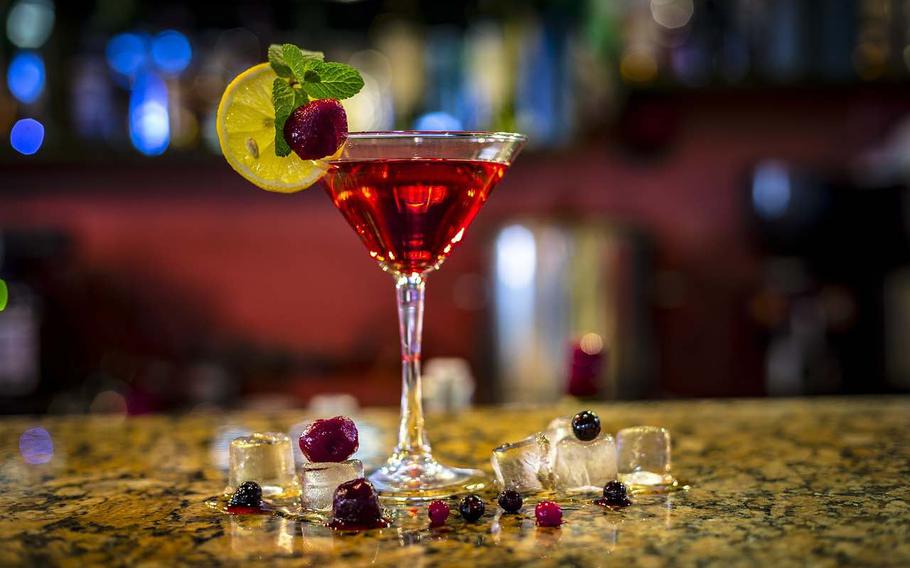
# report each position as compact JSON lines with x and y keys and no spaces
{"x":437,"y":121}
{"x":27,"y":136}
{"x":150,"y":130}
{"x":25,"y":76}
{"x":36,"y":446}
{"x":127,"y":53}
{"x":771,"y":190}
{"x":171,"y":51}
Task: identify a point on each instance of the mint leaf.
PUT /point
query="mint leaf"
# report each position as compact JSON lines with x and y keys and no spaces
{"x":300,"y":61}
{"x":300,"y":96}
{"x":284,"y":98}
{"x":276,"y":60}
{"x":331,"y":81}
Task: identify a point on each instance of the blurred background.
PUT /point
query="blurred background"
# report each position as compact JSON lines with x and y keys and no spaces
{"x":712,"y":203}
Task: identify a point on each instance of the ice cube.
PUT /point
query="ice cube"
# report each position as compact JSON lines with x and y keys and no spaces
{"x":319,"y":480}
{"x":644,"y":455}
{"x":523,"y":465}
{"x":263,"y":457}
{"x":558,"y":429}
{"x":583,"y":466}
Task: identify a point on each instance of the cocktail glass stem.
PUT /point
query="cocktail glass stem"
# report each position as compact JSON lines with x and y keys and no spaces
{"x":410,"y":293}
{"x":411,"y":472}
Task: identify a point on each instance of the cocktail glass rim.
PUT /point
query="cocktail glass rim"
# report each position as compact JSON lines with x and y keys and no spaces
{"x":467,"y":136}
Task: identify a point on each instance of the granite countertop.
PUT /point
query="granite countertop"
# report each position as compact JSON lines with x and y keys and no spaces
{"x":773,"y":483}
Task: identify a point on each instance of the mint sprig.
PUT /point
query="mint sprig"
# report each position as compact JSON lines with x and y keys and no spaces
{"x":303,"y":76}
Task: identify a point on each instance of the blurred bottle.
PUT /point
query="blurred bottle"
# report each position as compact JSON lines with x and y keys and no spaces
{"x":557,"y":281}
{"x":586,"y":363}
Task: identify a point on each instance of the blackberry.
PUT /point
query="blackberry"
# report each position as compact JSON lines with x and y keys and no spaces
{"x":616,"y":494}
{"x":586,"y":425}
{"x":510,"y":501}
{"x":471,"y":508}
{"x":249,"y":494}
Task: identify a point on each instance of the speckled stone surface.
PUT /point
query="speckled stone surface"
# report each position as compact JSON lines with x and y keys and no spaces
{"x":774,"y":483}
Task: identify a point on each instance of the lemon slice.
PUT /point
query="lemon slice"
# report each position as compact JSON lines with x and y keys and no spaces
{"x":246,"y":130}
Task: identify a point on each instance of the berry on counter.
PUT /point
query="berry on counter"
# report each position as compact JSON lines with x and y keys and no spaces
{"x":510,"y":501}
{"x":586,"y":425}
{"x":471,"y":508}
{"x":548,"y":514}
{"x":317,"y":129}
{"x":616,"y":494}
{"x":248,"y":495}
{"x":355,"y":506}
{"x":438,"y":512}
{"x":330,"y":440}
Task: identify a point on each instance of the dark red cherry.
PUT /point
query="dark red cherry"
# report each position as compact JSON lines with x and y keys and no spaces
{"x":330,"y":440}
{"x":317,"y":129}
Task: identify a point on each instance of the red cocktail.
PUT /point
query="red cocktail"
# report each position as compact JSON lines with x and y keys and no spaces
{"x":410,"y":214}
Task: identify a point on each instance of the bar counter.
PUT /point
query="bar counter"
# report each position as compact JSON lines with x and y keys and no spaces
{"x":772,"y":483}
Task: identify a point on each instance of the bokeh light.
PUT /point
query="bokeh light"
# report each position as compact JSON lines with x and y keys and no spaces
{"x":771,"y":190}
{"x":672,"y":14}
{"x":516,"y":256}
{"x":149,"y":120}
{"x":371,"y":108}
{"x":92,"y":101}
{"x":25,"y":76}
{"x":591,"y":343}
{"x":638,"y":66}
{"x":437,"y":121}
{"x":4,"y":294}
{"x":171,"y":51}
{"x":108,"y":402}
{"x":36,"y":446}
{"x":127,"y":53}
{"x":30,"y":23}
{"x":27,"y":136}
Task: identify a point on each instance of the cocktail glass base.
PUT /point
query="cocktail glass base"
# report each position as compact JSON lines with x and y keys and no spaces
{"x":422,"y":478}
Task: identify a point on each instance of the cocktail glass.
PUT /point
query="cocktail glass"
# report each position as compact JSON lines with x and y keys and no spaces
{"x":410,"y":196}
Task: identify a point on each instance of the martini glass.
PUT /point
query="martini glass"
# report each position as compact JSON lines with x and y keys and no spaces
{"x":410,"y":196}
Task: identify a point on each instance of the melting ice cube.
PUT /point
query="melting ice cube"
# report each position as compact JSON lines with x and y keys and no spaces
{"x":644,"y":455}
{"x":263,"y":457}
{"x":523,"y":465}
{"x":583,"y":466}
